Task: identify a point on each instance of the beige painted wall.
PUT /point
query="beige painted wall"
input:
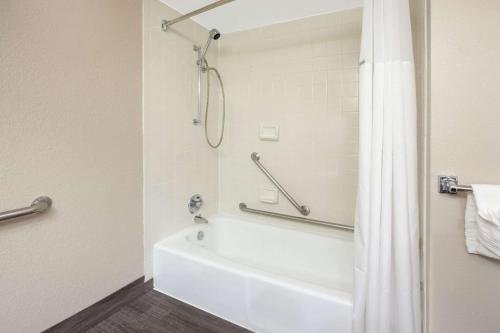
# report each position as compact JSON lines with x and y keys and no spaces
{"x":301,"y":76}
{"x":70,"y":128}
{"x":464,"y":141}
{"x":177,"y":161}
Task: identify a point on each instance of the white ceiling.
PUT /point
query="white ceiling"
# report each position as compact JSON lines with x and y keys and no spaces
{"x":247,"y":14}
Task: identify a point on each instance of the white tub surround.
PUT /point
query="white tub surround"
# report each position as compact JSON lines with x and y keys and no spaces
{"x":387,"y":293}
{"x":173,"y":147}
{"x":300,"y":76}
{"x":263,"y":277}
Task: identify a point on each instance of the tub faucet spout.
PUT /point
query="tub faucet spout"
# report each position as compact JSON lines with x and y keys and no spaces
{"x":199,"y":219}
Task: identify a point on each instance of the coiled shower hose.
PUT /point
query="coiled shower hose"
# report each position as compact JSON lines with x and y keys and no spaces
{"x":208,"y":69}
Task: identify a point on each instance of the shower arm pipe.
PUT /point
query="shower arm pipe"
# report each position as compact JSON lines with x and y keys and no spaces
{"x":304,"y":210}
{"x":167,"y":23}
{"x":244,"y":208}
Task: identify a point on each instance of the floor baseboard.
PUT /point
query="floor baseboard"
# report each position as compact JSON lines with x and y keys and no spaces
{"x":95,"y":313}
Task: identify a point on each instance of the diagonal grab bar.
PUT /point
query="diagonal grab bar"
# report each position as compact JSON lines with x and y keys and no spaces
{"x":303,"y":209}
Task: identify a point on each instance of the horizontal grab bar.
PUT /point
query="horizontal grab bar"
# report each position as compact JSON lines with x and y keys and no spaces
{"x":244,"y":208}
{"x":304,"y":210}
{"x":39,"y":205}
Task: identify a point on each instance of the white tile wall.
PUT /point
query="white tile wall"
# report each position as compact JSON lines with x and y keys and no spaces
{"x":177,"y":161}
{"x":302,"y":76}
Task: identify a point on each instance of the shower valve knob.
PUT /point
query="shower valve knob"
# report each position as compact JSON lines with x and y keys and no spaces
{"x":195,"y":203}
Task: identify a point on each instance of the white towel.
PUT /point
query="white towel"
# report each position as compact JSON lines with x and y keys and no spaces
{"x":482,"y":221}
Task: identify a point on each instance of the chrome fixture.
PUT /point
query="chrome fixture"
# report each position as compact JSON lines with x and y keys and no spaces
{"x":197,"y":118}
{"x":167,"y":23}
{"x":304,"y":210}
{"x":39,"y":205}
{"x":213,"y":34}
{"x":244,"y":208}
{"x":199,"y":219}
{"x":195,"y":203}
{"x":449,"y":184}
{"x":203,"y":67}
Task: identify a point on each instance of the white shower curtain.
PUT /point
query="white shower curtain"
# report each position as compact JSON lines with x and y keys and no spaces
{"x":387,"y":293}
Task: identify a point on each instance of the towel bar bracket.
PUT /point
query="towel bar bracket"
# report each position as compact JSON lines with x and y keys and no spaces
{"x":449,"y":184}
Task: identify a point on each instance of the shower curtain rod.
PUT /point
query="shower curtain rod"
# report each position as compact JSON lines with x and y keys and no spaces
{"x":166,"y":23}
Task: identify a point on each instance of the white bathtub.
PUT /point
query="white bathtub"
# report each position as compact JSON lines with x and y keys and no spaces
{"x":263,"y":277}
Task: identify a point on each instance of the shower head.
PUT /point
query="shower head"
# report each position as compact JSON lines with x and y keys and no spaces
{"x":213,"y":34}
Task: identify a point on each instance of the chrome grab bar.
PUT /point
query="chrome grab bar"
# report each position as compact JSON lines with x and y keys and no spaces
{"x":304,"y":210}
{"x":39,"y":205}
{"x":244,"y":208}
{"x":449,"y":184}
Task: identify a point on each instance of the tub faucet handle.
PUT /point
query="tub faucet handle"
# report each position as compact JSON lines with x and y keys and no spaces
{"x":199,"y":219}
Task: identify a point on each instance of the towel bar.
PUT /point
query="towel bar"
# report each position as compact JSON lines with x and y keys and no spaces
{"x":449,"y":184}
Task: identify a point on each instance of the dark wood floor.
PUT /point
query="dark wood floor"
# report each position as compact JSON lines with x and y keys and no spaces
{"x":154,"y":312}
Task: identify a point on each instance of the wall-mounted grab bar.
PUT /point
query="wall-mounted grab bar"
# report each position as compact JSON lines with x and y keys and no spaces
{"x":449,"y":184}
{"x":304,"y":210}
{"x":244,"y":208}
{"x":39,"y":205}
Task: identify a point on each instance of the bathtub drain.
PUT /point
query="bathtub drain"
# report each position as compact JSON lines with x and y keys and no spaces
{"x":200,"y":235}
